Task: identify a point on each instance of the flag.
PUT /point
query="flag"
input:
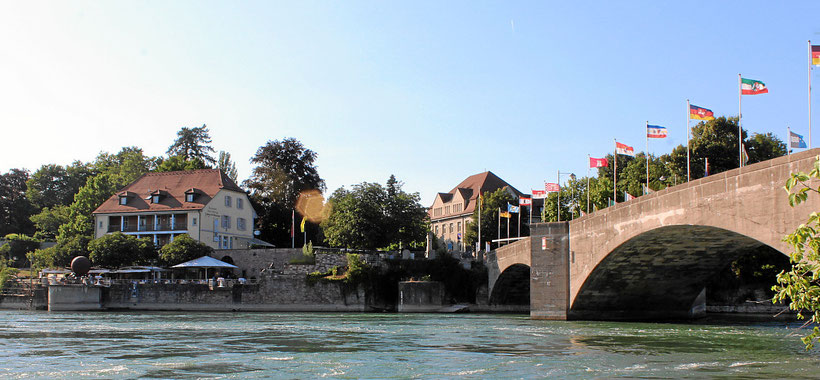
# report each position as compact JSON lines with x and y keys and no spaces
{"x":752,"y":87}
{"x":512,"y":209}
{"x":655,"y":132}
{"x":628,"y":197}
{"x":815,"y":55}
{"x":551,"y":187}
{"x":745,"y":154}
{"x":698,"y":113}
{"x":539,"y":194}
{"x":505,"y":214}
{"x":522,"y":201}
{"x":598,"y":162}
{"x":646,"y":190}
{"x":795,"y":140}
{"x":303,"y":224}
{"x":624,"y":149}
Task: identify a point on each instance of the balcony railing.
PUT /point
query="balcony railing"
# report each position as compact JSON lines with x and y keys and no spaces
{"x":179,"y":226}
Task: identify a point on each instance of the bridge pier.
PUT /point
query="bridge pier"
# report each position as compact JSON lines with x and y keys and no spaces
{"x":549,"y":271}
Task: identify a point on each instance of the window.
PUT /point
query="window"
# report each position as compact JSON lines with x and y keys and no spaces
{"x":193,"y":222}
{"x":123,"y":200}
{"x":216,"y":224}
{"x":189,"y":197}
{"x":451,"y":227}
{"x":436,"y":230}
{"x":225,"y":242}
{"x":226,"y":222}
{"x":227,"y":201}
{"x":155,"y":199}
{"x":240,"y":222}
{"x":101,"y":224}
{"x":239,"y":203}
{"x":459,"y":227}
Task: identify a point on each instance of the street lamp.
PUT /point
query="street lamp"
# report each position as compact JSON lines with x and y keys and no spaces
{"x":572,"y":177}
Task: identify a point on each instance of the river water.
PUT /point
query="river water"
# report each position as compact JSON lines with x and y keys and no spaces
{"x":319,"y":345}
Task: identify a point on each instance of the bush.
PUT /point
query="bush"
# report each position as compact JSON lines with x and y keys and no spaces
{"x":16,"y":249}
{"x":117,"y":250}
{"x":307,"y":258}
{"x":182,"y":249}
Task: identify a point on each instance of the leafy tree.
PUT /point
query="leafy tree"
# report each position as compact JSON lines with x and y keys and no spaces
{"x":182,"y":249}
{"x":179,"y":163}
{"x":284,"y":169}
{"x":406,"y":219}
{"x":54,"y":185}
{"x":800,"y":285}
{"x":49,"y":220}
{"x":16,"y":249}
{"x":193,"y":143}
{"x":128,"y":164}
{"x":762,"y":147}
{"x":92,"y":195}
{"x":227,"y":166}
{"x":357,"y":217}
{"x":492,"y":202}
{"x":573,"y":201}
{"x":117,"y":250}
{"x":15,"y":208}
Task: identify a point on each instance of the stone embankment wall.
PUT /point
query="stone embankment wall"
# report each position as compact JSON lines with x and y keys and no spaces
{"x":251,"y":262}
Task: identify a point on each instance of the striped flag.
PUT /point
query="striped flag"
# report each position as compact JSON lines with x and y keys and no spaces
{"x":700,"y":113}
{"x":539,"y":194}
{"x":524,"y":201}
{"x":624,"y":149}
{"x":655,"y":132}
{"x":796,"y":141}
{"x":752,"y":87}
{"x":551,"y":187}
{"x":512,"y":209}
{"x":815,"y":55}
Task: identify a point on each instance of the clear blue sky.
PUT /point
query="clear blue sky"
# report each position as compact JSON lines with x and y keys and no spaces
{"x":429,"y":91}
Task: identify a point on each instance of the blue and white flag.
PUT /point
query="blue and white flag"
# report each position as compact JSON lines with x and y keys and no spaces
{"x":655,"y":132}
{"x":511,"y":208}
{"x":796,"y":141}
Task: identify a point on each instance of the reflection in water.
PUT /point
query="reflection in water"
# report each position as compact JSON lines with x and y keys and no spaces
{"x":304,"y":345}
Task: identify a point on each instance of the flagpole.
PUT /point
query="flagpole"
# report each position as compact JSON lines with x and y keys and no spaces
{"x":647,"y":156}
{"x":293,"y":228}
{"x":588,"y":159}
{"x":810,"y":62}
{"x":479,"y":222}
{"x":532,"y":203}
{"x":499,"y":226}
{"x":304,"y":232}
{"x":519,"y":220}
{"x":559,"y":196}
{"x":789,"y":141}
{"x":688,"y":116}
{"x":739,"y":117}
{"x":615,"y":174}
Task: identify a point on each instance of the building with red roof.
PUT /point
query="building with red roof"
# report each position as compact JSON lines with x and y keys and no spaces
{"x":205,"y":204}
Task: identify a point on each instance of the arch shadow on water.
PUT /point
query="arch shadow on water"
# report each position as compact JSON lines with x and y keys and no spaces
{"x":659,"y":274}
{"x":512,"y":286}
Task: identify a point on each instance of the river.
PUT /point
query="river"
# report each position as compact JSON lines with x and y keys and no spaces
{"x":318,"y":345}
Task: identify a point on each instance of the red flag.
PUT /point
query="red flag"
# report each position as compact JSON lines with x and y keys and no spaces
{"x":624,"y":149}
{"x":522,"y":201}
{"x":598,"y":162}
{"x":539,"y":194}
{"x":551,"y":187}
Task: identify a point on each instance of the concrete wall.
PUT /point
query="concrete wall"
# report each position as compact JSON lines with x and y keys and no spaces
{"x":73,"y":298}
{"x":420,"y":296}
{"x":549,"y":275}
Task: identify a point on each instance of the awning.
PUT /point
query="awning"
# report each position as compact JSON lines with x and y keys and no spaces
{"x":205,"y":262}
{"x":256,"y":241}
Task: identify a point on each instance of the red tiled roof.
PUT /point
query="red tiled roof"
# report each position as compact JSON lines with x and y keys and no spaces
{"x":172,"y":187}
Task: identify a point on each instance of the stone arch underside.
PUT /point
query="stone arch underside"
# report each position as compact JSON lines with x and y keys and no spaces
{"x":512,"y":286}
{"x":658,"y":274}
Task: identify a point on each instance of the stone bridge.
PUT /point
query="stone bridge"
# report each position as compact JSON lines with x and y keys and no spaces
{"x":651,"y":257}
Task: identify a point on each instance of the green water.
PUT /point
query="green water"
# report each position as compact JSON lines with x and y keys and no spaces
{"x":317,"y":345}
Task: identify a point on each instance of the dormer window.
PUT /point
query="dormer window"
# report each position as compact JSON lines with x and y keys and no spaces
{"x":123,"y":200}
{"x":155,"y":198}
{"x":191,"y":194}
{"x":157,"y":195}
{"x":123,"y":197}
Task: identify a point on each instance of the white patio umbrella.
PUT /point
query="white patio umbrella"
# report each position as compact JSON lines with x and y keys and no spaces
{"x":205,"y":262}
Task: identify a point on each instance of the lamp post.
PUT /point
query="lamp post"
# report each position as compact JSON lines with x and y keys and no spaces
{"x":571,"y":177}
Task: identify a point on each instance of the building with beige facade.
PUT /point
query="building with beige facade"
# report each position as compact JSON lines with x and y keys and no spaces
{"x":205,"y":204}
{"x":451,"y":211}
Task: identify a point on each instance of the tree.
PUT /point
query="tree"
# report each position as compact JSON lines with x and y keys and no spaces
{"x":182,"y":249}
{"x":54,"y":185}
{"x":227,"y":166}
{"x":117,"y":250}
{"x":800,"y":285}
{"x":16,"y":249}
{"x":492,"y":202}
{"x":762,"y":147}
{"x":128,"y":164}
{"x":15,"y":208}
{"x":179,"y":163}
{"x":193,"y":143}
{"x":49,"y":220}
{"x":284,"y":169}
{"x":371,"y":216}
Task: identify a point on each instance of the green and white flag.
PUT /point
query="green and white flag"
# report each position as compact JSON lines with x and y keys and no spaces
{"x":752,"y":87}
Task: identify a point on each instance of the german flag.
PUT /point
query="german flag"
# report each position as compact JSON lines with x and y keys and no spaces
{"x":698,"y":113}
{"x":815,"y":55}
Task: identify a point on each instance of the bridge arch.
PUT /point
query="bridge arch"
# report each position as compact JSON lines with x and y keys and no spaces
{"x":512,"y":286}
{"x":659,"y":273}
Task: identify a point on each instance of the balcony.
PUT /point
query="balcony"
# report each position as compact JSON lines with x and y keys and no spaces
{"x":161,"y":227}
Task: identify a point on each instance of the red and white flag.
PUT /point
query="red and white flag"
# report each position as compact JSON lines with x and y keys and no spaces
{"x":598,"y":162}
{"x":539,"y":194}
{"x":551,"y":187}
{"x":624,"y":149}
{"x":522,"y":201}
